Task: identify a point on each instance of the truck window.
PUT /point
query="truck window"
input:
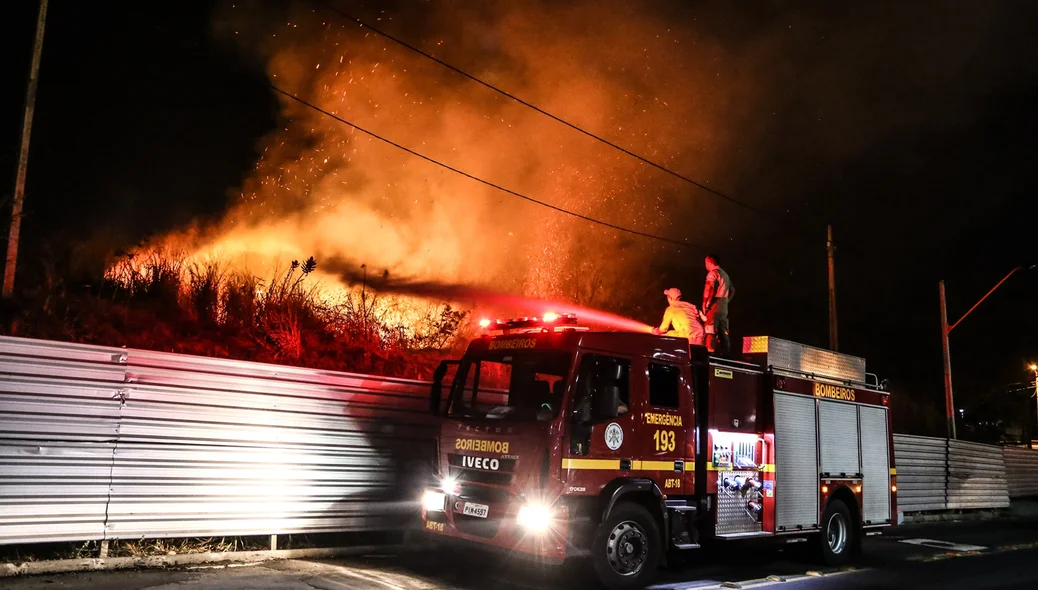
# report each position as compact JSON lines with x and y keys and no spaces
{"x":664,"y":385}
{"x":599,"y":379}
{"x":511,"y":386}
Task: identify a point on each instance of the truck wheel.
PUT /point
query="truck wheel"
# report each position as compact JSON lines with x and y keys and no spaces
{"x":837,"y":541}
{"x":626,"y":549}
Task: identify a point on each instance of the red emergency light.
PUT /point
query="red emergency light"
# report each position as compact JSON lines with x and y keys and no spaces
{"x":549,"y":322}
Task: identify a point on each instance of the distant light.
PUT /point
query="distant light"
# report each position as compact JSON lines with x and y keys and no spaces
{"x":1033,"y":367}
{"x":484,"y":323}
{"x":550,"y":316}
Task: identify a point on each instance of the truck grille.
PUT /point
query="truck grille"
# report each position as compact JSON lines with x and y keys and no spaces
{"x":464,"y":476}
{"x":464,"y":473}
{"x":483,"y":494}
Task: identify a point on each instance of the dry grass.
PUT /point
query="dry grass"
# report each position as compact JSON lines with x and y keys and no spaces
{"x":149,"y":547}
{"x":162,"y":301}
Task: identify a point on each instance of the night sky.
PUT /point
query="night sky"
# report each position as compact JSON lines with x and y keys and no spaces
{"x":913,"y":130}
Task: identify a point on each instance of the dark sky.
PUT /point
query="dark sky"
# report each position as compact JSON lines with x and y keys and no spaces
{"x":146,"y":122}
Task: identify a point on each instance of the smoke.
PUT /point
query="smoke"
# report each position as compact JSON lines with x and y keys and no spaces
{"x":485,"y":300}
{"x":767,"y":106}
{"x":320,"y":188}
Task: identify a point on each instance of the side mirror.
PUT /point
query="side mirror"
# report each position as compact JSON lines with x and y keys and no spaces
{"x":582,"y":412}
{"x":436,"y":395}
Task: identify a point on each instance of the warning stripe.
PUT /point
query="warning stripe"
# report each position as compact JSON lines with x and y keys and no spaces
{"x":614,"y":465}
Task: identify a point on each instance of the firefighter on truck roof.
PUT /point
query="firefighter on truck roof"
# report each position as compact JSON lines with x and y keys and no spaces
{"x":683,"y":317}
{"x":717,"y":292}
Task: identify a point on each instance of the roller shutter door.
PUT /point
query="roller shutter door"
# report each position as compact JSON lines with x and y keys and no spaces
{"x":796,"y":462}
{"x":838,"y":423}
{"x":875,"y":464}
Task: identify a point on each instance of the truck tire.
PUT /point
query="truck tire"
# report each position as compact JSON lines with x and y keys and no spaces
{"x":626,"y":548}
{"x":838,"y":538}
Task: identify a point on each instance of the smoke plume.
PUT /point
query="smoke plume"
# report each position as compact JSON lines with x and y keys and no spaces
{"x":321,"y":188}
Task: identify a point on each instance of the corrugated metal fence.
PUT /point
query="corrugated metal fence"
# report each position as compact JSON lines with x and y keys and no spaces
{"x":922,"y":473}
{"x":1022,"y":468}
{"x":976,"y":476}
{"x":104,"y":443}
{"x":941,"y":474}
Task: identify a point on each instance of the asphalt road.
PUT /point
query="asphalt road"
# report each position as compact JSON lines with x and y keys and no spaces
{"x":997,"y":554}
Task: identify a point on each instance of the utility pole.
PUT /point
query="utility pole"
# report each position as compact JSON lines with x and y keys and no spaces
{"x":834,"y":343}
{"x":949,"y":397}
{"x":23,"y":157}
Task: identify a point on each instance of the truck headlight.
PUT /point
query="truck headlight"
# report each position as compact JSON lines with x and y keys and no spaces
{"x":433,"y":501}
{"x":449,"y":485}
{"x":535,"y":518}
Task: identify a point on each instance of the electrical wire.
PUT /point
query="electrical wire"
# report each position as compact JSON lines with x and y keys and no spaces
{"x":482,"y":181}
{"x":760,"y":212}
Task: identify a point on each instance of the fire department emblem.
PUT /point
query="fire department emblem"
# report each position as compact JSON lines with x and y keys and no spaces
{"x":614,"y":436}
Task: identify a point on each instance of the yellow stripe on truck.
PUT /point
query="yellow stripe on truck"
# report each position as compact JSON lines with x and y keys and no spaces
{"x":652,"y":465}
{"x":893,"y":471}
{"x":614,"y":465}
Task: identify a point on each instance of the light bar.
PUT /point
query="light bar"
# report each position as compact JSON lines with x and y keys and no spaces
{"x":549,"y":322}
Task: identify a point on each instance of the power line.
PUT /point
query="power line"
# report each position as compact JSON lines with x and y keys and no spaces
{"x":761,"y":212}
{"x":480,"y":180}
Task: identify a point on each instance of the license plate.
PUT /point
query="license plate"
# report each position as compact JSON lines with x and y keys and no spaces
{"x":479,"y":510}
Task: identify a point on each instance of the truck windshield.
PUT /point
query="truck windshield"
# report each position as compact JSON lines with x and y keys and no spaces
{"x":515,"y":386}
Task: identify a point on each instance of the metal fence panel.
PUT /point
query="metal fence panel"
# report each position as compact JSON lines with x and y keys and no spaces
{"x":976,"y":476}
{"x":59,"y":412}
{"x":1021,"y":472}
{"x":922,"y":473}
{"x":99,"y":442}
{"x":53,"y":490}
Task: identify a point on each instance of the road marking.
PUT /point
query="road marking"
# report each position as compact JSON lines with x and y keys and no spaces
{"x":934,"y":543}
{"x":771,"y":580}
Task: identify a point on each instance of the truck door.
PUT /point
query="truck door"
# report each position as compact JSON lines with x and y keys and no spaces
{"x":665,"y":406}
{"x":601,"y":428}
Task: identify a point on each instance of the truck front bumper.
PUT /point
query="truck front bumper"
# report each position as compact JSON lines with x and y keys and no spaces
{"x":501,"y":529}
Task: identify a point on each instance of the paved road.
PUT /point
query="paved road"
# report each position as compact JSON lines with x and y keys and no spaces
{"x":999,"y":554}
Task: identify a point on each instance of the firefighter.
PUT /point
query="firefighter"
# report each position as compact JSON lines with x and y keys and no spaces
{"x":683,"y":317}
{"x":717,"y":292}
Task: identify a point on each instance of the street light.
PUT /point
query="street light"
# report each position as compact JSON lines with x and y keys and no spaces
{"x":949,"y":397}
{"x":1034,"y":369}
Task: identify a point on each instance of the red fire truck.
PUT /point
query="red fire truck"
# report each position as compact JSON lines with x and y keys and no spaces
{"x":558,"y":442}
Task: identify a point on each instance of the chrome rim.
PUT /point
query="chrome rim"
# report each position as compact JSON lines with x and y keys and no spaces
{"x":836,"y":533}
{"x":627,"y":548}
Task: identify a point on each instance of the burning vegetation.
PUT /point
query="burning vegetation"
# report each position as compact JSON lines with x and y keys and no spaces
{"x":162,"y":300}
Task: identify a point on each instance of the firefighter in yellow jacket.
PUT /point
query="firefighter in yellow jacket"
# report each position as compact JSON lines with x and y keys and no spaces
{"x":681,"y":319}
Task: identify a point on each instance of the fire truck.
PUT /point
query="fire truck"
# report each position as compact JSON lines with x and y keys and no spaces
{"x":557,"y":442}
